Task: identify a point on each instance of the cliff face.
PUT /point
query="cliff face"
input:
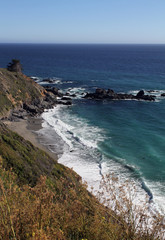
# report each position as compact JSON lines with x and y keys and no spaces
{"x":21,"y":96}
{"x":16,"y":89}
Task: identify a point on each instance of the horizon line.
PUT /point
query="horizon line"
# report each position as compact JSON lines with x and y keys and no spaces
{"x":58,"y":43}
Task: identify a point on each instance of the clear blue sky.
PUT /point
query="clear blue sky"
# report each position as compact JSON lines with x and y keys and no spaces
{"x":82,"y":21}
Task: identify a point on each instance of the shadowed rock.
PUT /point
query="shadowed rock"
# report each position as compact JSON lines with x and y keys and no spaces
{"x":140,"y":94}
{"x":15,"y":66}
{"x":111,"y":95}
{"x":54,"y":90}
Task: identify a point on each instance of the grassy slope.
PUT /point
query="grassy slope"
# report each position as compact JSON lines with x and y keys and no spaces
{"x":77,"y":213}
{"x":56,"y":206}
{"x":16,"y":88}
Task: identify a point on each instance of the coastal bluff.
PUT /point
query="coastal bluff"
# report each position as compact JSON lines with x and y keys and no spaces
{"x":21,"y":96}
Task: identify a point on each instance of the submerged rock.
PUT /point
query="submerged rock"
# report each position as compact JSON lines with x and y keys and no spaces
{"x":64,"y":102}
{"x":49,"y":80}
{"x":66,"y":98}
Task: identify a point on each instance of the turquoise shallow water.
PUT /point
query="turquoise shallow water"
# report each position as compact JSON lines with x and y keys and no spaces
{"x":128,"y":133}
{"x":135,"y":133}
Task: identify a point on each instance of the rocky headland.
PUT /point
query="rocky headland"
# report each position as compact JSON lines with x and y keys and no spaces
{"x":21,"y":96}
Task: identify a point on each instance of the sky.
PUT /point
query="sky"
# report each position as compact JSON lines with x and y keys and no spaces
{"x":82,"y":21}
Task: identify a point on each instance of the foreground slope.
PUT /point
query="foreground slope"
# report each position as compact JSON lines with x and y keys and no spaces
{"x":69,"y":210}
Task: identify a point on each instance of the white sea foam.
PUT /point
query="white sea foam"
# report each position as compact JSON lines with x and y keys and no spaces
{"x":79,"y":91}
{"x":159,"y":200}
{"x":36,"y":79}
{"x":79,"y":149}
{"x":88,"y":170}
{"x":81,"y":139}
{"x":68,"y":82}
{"x":154,"y":92}
{"x":127,"y":187}
{"x":61,"y":128}
{"x":54,"y":80}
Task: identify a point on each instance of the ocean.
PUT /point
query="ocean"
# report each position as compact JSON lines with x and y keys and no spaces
{"x":126,"y":137}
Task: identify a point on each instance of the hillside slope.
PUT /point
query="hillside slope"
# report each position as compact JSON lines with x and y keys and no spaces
{"x":76,"y":213}
{"x":16,"y":89}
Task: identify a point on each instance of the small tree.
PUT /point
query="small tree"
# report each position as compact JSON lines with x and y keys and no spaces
{"x":15,"y":66}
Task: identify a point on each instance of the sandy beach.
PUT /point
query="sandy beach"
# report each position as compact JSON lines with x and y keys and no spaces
{"x":27,"y":129}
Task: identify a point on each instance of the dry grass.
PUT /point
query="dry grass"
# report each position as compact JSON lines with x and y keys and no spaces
{"x":38,"y":213}
{"x":136,"y":217}
{"x":41,"y":199}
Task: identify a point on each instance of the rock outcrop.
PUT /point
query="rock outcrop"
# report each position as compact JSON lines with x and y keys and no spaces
{"x":15,"y":66}
{"x":54,"y":90}
{"x":102,"y":94}
{"x":21,"y":96}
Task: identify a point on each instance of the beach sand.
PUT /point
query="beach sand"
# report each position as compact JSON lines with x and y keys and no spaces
{"x":27,"y":129}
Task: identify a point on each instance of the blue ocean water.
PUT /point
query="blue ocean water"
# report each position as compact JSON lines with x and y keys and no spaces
{"x":129,"y":135}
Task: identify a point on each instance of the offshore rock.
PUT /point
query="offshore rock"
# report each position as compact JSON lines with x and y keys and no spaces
{"x":102,"y":94}
{"x":49,"y":80}
{"x":140,"y":94}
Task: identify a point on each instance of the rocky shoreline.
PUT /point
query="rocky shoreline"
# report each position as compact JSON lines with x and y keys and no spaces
{"x":52,"y":96}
